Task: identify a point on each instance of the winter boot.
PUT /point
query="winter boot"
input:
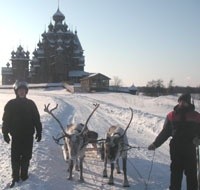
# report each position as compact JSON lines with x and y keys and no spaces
{"x":15,"y":171}
{"x":24,"y":170}
{"x":13,"y":182}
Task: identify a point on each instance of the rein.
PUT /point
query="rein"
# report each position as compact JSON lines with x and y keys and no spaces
{"x":131,"y":147}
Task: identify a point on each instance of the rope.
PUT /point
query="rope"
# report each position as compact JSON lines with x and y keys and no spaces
{"x":152,"y":161}
{"x":130,"y":147}
{"x":146,"y":182}
{"x":58,"y":138}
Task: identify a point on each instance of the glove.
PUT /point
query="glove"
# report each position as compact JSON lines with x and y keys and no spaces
{"x":196,"y":141}
{"x":6,"y":138}
{"x":38,"y":137}
{"x":151,"y":147}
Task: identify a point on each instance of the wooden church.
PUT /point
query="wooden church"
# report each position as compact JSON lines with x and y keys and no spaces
{"x":58,"y":57}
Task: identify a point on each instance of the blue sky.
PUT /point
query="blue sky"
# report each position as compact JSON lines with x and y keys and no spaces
{"x":135,"y":40}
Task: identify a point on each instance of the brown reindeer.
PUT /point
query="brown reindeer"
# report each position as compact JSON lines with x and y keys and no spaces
{"x":114,"y":147}
{"x":76,"y":138}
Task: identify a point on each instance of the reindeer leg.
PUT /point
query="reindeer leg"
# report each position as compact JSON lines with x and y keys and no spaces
{"x":117,"y":166}
{"x":111,"y":180}
{"x":66,"y":151}
{"x":77,"y":165}
{"x":102,"y":151}
{"x":71,"y":164}
{"x":125,"y":183}
{"x":105,"y":167}
{"x":81,"y":169}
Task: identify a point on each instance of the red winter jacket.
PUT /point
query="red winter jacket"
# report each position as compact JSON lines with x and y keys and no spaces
{"x":182,"y":124}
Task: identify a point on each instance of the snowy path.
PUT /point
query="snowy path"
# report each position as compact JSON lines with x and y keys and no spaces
{"x":48,"y":170}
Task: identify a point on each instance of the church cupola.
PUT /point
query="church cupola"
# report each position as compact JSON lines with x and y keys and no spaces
{"x":8,"y":65}
{"x":58,"y":17}
{"x":20,"y":63}
{"x":57,"y":57}
{"x":50,"y":27}
{"x":65,"y":27}
{"x":20,"y":54}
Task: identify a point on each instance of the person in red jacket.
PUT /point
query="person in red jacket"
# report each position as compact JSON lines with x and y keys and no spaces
{"x":20,"y":121}
{"x":183,"y":125}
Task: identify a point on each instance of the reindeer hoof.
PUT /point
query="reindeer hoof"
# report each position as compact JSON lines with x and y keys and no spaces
{"x":126,"y":184}
{"x":110,"y":183}
{"x":105,"y":174}
{"x":81,"y":180}
{"x":69,"y":178}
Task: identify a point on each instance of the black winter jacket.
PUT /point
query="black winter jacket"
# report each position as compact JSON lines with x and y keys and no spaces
{"x":182,"y":124}
{"x":21,"y":118}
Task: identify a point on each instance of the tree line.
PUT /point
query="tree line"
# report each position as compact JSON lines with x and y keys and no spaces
{"x":157,"y":88}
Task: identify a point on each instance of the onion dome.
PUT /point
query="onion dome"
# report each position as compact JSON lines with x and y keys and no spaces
{"x":13,"y":53}
{"x":8,"y":64}
{"x":35,"y":52}
{"x":44,"y":33}
{"x":65,"y":27}
{"x":58,"y":16}
{"x":20,"y":52}
{"x":39,"y":44}
{"x":19,"y":49}
{"x":50,"y":27}
{"x":27,"y":53}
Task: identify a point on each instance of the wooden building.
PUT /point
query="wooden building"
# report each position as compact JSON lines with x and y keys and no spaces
{"x":95,"y":82}
{"x":57,"y":58}
{"x":19,"y":68}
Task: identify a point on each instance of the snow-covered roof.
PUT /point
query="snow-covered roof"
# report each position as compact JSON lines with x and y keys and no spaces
{"x":132,"y":87}
{"x":77,"y":73}
{"x":60,"y":31}
{"x":59,"y":48}
{"x":95,"y":74}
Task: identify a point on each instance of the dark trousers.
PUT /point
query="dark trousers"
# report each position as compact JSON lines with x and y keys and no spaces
{"x":21,"y":153}
{"x":183,"y":161}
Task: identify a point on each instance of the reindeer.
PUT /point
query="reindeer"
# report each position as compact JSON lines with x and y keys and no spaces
{"x":76,"y":138}
{"x":114,"y":147}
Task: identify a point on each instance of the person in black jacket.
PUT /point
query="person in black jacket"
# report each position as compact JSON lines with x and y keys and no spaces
{"x":183,"y":125}
{"x":20,"y":121}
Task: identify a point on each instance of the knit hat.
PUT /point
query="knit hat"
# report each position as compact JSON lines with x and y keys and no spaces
{"x":185,"y":97}
{"x":20,"y":84}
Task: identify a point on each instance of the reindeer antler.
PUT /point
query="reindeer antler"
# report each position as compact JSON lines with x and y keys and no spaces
{"x":46,"y":109}
{"x":129,"y":122}
{"x":96,"y":106}
{"x":57,"y":140}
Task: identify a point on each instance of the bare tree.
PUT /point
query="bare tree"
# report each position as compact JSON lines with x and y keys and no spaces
{"x":170,"y":88}
{"x":117,"y":83}
{"x":155,"y":87}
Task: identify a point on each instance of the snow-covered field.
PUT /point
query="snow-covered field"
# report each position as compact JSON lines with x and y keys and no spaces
{"x":48,"y":169}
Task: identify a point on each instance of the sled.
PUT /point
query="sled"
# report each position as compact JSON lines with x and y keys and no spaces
{"x":90,"y":151}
